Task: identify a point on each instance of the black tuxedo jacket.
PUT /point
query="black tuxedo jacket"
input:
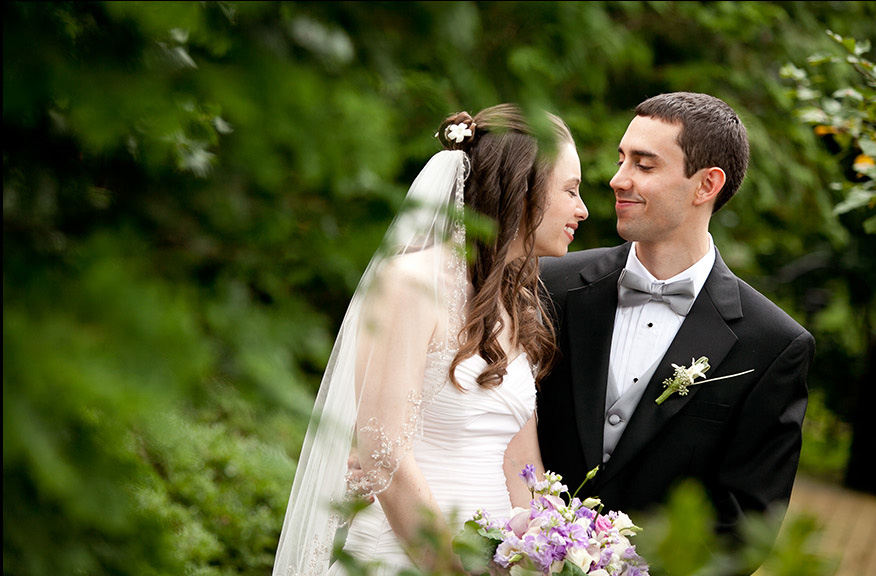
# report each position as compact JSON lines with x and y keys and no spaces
{"x":739,"y":437}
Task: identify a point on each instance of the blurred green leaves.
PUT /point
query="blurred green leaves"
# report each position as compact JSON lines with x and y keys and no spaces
{"x":85,"y":366}
{"x":191,"y":191}
{"x":845,"y":114}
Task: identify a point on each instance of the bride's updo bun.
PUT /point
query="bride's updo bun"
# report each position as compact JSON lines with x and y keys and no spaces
{"x":457,"y":132}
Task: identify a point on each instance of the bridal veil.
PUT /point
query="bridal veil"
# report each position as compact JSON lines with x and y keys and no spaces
{"x":427,"y":241}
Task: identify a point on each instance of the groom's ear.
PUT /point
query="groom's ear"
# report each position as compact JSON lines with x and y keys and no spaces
{"x":711,"y":183}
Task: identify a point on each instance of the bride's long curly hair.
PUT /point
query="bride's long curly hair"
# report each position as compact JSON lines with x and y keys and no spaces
{"x":511,"y":170}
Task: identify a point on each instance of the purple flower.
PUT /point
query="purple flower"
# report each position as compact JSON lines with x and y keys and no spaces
{"x":551,"y":530}
{"x":635,"y":570}
{"x":556,"y":539}
{"x":539,"y":551}
{"x":528,"y":476}
{"x":584,"y":512}
{"x":482,"y":517}
{"x":633,"y":559}
{"x":510,"y":550}
{"x":577,"y":534}
{"x":605,"y":557}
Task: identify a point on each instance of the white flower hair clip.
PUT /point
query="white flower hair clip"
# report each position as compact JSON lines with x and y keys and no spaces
{"x":457,"y":132}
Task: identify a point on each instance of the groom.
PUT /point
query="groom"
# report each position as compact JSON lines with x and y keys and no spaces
{"x":681,"y":159}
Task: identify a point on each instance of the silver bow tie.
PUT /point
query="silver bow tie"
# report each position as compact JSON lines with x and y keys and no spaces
{"x":633,"y":290}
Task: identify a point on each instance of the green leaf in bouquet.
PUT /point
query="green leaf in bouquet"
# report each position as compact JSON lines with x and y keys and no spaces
{"x":570,"y":569}
{"x":476,"y":546}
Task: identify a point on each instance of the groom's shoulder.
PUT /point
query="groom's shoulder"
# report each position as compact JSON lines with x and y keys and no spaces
{"x":760,"y":305}
{"x":769,"y":316}
{"x":578,"y":259}
{"x":555,"y":268}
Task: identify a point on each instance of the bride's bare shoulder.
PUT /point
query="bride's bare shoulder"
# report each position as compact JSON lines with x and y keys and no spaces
{"x":403,"y":293}
{"x":418,"y":270}
{"x":419,"y":288}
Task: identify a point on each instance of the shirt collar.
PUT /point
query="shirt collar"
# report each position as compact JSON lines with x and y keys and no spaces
{"x":698,"y":272}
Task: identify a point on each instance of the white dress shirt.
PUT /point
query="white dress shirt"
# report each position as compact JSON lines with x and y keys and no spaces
{"x":643,"y":333}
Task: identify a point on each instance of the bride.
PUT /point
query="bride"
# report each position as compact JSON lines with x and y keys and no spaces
{"x":430,"y":388}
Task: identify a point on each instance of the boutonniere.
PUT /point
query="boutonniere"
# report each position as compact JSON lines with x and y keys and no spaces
{"x":684,"y":377}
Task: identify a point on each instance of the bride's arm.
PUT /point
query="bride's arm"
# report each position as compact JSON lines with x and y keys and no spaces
{"x":399,"y":320}
{"x":522,"y":450}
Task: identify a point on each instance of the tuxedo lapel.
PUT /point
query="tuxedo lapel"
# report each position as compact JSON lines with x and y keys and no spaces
{"x":590,"y":319}
{"x":704,"y":332}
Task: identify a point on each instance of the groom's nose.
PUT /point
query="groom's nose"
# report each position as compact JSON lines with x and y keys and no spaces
{"x":620,"y":180}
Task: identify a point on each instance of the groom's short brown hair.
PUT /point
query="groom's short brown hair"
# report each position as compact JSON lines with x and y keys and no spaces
{"x":711,"y":135}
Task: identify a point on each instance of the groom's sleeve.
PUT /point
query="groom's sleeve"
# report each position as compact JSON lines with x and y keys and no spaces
{"x":758,"y":471}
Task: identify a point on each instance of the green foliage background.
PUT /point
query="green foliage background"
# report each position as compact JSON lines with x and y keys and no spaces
{"x":192,"y":189}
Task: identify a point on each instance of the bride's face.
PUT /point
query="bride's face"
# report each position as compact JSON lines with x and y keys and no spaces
{"x":564,"y":209}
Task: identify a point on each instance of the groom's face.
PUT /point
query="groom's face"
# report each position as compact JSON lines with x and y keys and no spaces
{"x":653,"y":197}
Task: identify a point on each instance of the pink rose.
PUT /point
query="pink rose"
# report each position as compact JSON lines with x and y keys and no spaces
{"x":603,"y":524}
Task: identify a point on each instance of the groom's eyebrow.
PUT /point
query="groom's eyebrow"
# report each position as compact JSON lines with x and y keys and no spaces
{"x":639,"y":153}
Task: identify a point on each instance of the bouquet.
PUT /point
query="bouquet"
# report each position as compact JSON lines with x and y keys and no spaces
{"x":557,"y":534}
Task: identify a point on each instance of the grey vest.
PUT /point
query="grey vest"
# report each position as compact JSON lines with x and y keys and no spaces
{"x":619,"y":408}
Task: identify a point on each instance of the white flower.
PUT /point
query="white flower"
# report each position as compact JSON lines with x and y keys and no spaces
{"x":591,"y":503}
{"x":457,"y":132}
{"x":616,"y":564}
{"x":619,"y":546}
{"x":581,"y":557}
{"x":697,"y":369}
{"x":624,"y":525}
{"x":528,"y":545}
{"x":684,"y":377}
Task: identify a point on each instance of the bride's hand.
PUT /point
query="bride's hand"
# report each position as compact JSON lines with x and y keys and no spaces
{"x":356,"y":482}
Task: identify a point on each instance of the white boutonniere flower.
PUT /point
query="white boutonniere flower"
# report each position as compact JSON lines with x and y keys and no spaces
{"x":684,"y":377}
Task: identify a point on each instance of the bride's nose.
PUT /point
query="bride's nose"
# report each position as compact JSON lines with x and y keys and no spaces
{"x":581,"y":212}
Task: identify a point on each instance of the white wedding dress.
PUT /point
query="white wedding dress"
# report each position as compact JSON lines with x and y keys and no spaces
{"x":461,"y":453}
